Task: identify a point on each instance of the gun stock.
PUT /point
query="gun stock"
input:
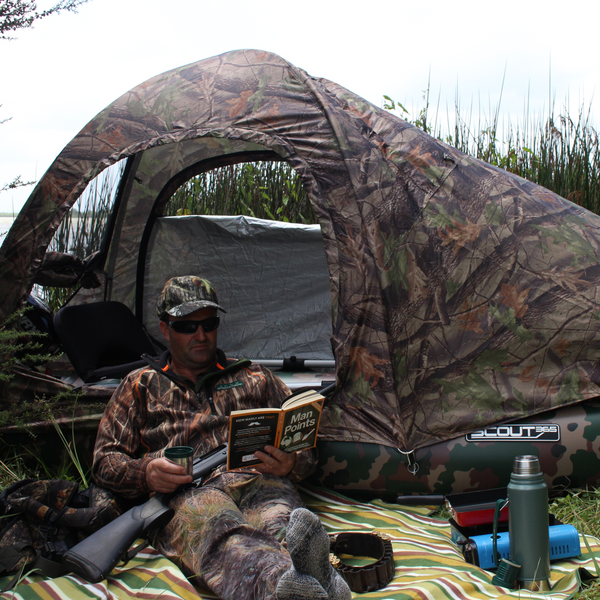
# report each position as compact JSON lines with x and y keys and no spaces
{"x":96,"y":556}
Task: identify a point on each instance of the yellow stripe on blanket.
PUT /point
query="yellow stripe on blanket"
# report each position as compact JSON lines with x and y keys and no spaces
{"x":148,"y":575}
{"x":429,"y":566}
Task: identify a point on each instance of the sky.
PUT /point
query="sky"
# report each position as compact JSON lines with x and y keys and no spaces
{"x":57,"y":76}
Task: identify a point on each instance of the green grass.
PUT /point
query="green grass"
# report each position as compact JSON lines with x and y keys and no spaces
{"x":581,"y":508}
{"x":560,"y":151}
{"x":28,"y":465}
{"x":265,"y":190}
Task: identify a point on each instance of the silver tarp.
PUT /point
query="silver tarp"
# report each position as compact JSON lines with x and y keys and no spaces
{"x":271,"y":277}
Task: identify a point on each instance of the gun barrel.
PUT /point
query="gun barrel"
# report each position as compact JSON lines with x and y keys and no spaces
{"x":208,"y":462}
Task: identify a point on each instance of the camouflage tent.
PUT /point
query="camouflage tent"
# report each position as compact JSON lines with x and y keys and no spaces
{"x":462,"y":295}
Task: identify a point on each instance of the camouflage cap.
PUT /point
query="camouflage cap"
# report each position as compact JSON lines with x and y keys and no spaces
{"x":182,"y":296}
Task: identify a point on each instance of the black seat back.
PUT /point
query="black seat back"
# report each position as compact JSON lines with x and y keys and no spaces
{"x":103,"y":340}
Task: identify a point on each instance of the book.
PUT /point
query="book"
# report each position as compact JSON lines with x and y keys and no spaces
{"x":291,"y":428}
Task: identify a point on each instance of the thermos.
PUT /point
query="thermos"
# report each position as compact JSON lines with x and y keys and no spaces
{"x":528,"y":523}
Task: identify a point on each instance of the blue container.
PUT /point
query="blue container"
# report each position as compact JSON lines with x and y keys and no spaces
{"x":564,"y":543}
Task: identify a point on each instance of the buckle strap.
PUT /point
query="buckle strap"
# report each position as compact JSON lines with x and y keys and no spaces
{"x":49,"y":528}
{"x":366,"y":578}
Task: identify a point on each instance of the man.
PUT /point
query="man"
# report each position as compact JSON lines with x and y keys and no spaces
{"x":228,"y":533}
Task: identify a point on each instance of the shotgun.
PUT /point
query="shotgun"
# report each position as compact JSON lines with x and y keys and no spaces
{"x":96,"y":556}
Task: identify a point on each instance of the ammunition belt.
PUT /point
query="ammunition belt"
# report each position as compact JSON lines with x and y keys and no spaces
{"x":367,"y":578}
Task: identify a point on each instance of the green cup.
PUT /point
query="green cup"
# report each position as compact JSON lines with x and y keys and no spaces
{"x":181,"y":455}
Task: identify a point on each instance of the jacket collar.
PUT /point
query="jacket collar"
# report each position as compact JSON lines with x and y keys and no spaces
{"x":223,"y":365}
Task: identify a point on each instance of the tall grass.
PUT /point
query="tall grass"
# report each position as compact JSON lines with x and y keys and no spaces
{"x":561,"y":152}
{"x":265,"y":190}
{"x":81,"y":231}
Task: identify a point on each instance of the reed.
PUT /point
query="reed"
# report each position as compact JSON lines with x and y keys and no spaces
{"x":560,"y":152}
{"x":265,"y":190}
{"x":80,"y":232}
{"x":581,"y":508}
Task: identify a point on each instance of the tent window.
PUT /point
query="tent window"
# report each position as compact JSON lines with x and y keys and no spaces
{"x":263,"y":189}
{"x":82,"y":229}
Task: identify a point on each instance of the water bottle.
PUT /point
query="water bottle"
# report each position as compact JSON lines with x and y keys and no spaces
{"x":528,"y":523}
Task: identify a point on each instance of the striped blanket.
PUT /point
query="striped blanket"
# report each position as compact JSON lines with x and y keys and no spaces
{"x":429,"y":566}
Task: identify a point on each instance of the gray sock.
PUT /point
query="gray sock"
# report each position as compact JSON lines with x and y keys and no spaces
{"x":296,"y":586}
{"x":308,"y":545}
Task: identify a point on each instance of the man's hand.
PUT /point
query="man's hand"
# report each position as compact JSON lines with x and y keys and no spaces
{"x":276,"y":462}
{"x":162,"y":475}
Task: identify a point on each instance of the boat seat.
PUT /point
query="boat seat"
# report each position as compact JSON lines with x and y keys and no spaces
{"x":103,"y":340}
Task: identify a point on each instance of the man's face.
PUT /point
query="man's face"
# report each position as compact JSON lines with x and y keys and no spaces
{"x":195,"y":353}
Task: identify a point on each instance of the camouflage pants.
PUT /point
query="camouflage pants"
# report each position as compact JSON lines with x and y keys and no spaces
{"x":229,"y":534}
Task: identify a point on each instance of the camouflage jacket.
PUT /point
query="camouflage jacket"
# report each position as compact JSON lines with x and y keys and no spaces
{"x":153,"y":409}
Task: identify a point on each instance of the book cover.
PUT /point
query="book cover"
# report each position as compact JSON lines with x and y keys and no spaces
{"x":291,"y":428}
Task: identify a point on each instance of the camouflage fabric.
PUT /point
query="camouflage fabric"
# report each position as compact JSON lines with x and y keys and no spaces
{"x":462,"y":295}
{"x":33,"y":513}
{"x":182,"y":296}
{"x":152,"y":410}
{"x":565,"y":440}
{"x":229,"y":534}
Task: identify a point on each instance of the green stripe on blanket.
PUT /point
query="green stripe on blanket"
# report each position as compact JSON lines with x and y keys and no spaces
{"x":429,"y":566}
{"x":148,"y":575}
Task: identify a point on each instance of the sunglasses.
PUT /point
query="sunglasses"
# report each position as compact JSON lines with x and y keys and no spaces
{"x":190,"y":327}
